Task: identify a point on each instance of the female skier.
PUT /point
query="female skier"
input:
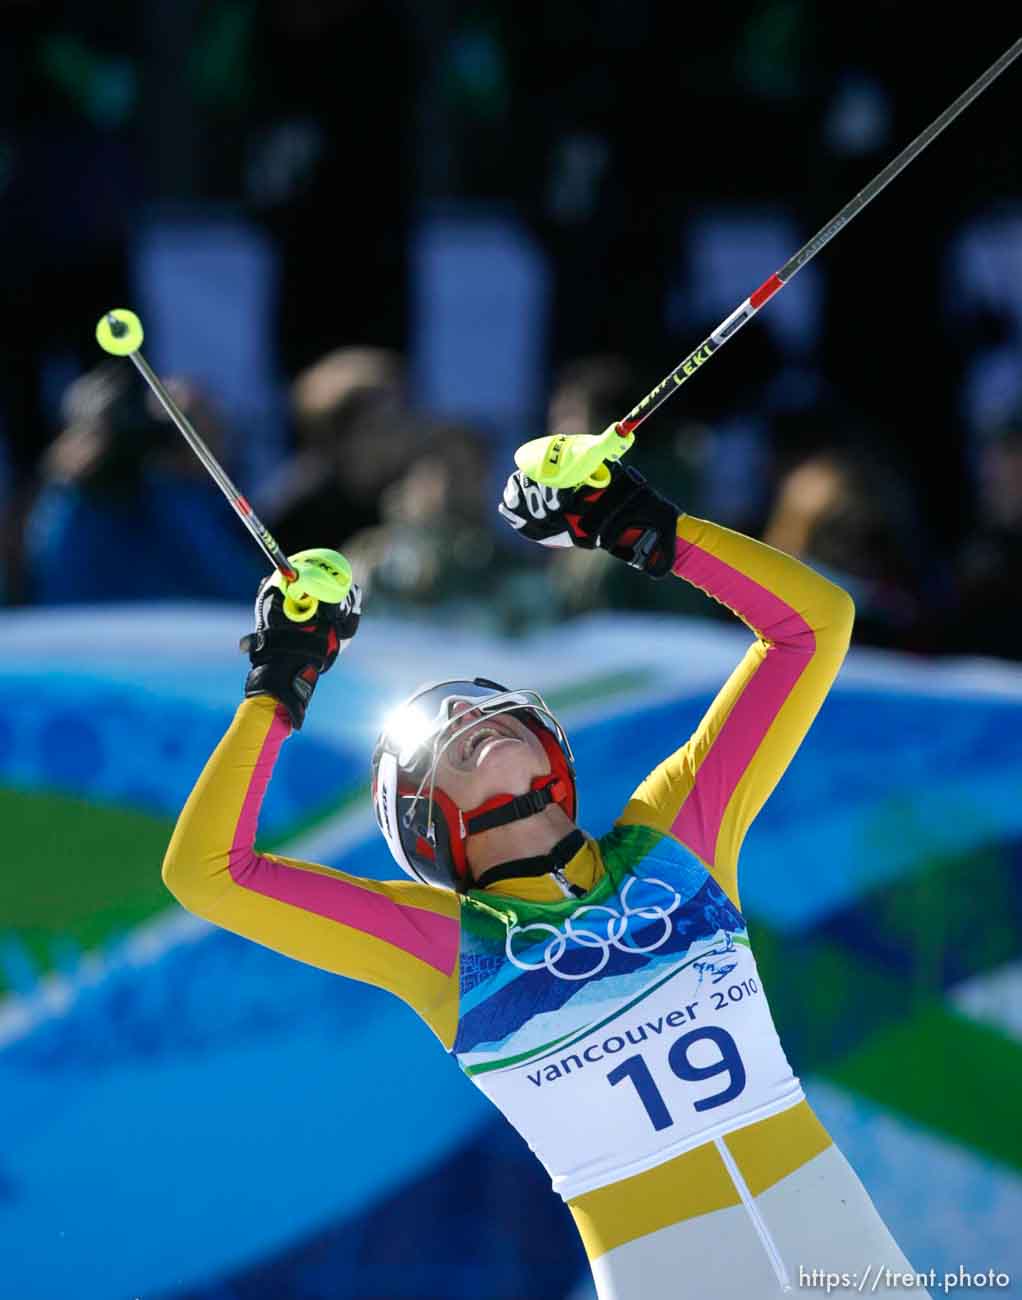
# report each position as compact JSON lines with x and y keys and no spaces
{"x":602,"y":993}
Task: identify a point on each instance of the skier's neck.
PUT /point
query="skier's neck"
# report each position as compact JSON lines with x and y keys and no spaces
{"x":532,"y":837}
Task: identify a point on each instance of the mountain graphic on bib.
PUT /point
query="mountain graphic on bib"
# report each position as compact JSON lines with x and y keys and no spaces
{"x":525,"y":967}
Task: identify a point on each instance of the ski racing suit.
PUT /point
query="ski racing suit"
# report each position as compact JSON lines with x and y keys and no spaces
{"x":624,"y":1032}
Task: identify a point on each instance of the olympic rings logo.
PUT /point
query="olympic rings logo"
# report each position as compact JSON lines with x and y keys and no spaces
{"x":615,"y":928}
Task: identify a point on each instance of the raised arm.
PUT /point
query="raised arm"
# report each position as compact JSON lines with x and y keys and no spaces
{"x":709,"y":791}
{"x":399,"y":936}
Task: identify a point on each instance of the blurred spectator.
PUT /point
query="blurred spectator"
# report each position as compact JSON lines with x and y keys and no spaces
{"x":354,"y":437}
{"x":850,"y":513}
{"x":592,"y":392}
{"x":989,"y":559}
{"x":125,"y":510}
{"x":436,"y":547}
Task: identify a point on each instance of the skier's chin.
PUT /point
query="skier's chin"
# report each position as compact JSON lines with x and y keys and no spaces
{"x":505,"y":767}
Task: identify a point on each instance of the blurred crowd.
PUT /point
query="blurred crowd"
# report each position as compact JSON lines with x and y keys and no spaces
{"x":329,"y":124}
{"x":121,"y":509}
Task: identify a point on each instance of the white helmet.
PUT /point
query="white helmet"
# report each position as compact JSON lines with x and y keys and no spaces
{"x":424,"y":829}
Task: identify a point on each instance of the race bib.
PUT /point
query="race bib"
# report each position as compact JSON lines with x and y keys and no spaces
{"x":634,"y":1025}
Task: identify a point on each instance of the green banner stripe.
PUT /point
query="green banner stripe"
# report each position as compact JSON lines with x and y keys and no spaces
{"x":939,"y":1069}
{"x":77,"y":872}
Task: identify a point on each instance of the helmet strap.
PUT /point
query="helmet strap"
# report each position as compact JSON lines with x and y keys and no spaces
{"x":503,"y":809}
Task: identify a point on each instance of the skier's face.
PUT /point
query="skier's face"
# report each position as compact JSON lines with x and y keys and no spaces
{"x":499,"y":755}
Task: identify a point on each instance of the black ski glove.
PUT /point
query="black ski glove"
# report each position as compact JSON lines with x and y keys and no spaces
{"x":289,"y":658}
{"x":627,"y":517}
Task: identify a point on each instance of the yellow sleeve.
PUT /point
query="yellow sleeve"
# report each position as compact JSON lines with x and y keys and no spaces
{"x":398,"y":935}
{"x":707,"y":793}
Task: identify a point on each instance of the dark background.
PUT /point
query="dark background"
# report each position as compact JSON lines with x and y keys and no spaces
{"x":611,"y":138}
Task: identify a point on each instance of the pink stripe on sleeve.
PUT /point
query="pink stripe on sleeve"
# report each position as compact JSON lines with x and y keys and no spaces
{"x":793,"y":643}
{"x":427,"y":935}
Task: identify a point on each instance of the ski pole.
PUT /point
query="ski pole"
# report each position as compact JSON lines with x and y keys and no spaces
{"x":306,"y":578}
{"x":568,"y":460}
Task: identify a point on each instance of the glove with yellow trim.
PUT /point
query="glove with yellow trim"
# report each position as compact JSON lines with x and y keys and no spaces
{"x":289,"y":658}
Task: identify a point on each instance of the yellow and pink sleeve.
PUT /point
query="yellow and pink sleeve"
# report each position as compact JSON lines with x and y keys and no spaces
{"x":708,"y":792}
{"x":398,"y":935}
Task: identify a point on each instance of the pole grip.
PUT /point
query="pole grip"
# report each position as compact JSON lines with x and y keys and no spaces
{"x":567,"y":460}
{"x":321,"y":575}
